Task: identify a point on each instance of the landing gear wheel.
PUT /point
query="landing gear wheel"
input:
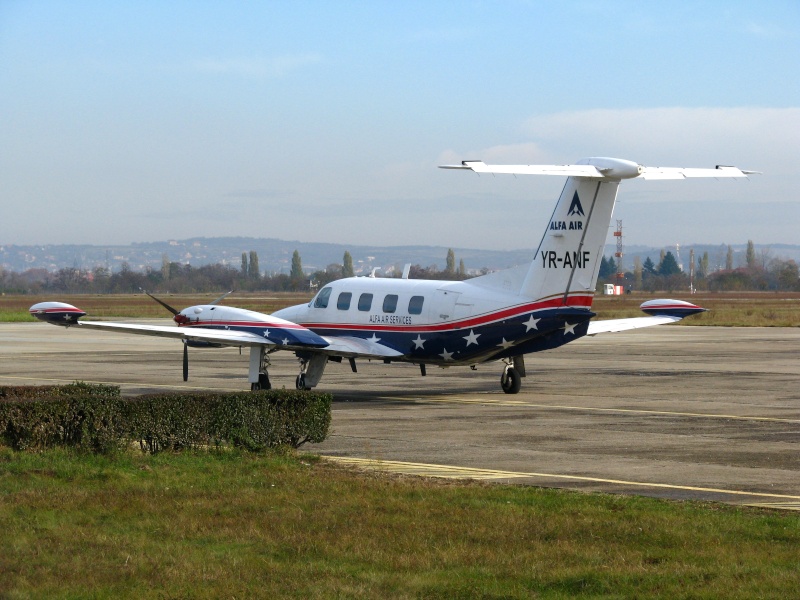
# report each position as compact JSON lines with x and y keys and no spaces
{"x":300,"y":382}
{"x":262,"y":383}
{"x":510,"y":381}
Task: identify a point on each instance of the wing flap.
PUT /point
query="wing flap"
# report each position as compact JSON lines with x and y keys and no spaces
{"x":353,"y":347}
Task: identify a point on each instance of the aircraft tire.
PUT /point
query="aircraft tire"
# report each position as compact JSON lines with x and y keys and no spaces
{"x":510,"y":381}
{"x":300,"y":382}
{"x":263,"y":382}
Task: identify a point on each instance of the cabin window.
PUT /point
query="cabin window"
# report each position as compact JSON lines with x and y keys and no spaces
{"x":365,"y":302}
{"x":343,"y":302}
{"x":390,"y":303}
{"x":321,"y":301}
{"x":415,"y":305}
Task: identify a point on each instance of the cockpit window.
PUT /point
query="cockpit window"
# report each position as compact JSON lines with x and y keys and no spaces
{"x":343,"y":302}
{"x":415,"y":305}
{"x":321,"y":301}
{"x":390,"y":303}
{"x":365,"y":302}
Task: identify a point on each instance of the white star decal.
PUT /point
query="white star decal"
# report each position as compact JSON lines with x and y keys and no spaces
{"x":569,"y":328}
{"x":374,"y":339}
{"x":266,"y":333}
{"x":505,"y":345}
{"x":285,"y":341}
{"x":419,"y":343}
{"x":472,"y":338}
{"x":447,"y":355}
{"x":67,"y":317}
{"x":531,"y":324}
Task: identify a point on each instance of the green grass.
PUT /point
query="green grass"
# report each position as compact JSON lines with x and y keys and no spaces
{"x":15,"y":316}
{"x":210,"y":525}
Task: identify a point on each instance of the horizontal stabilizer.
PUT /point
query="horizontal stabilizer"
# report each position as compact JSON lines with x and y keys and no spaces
{"x":604,"y":168}
{"x":563,"y":170}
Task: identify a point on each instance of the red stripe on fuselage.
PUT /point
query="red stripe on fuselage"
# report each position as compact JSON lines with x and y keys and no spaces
{"x":262,"y":325}
{"x":574,"y":301}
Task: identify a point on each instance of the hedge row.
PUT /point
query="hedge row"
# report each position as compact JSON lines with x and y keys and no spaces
{"x":96,"y":418}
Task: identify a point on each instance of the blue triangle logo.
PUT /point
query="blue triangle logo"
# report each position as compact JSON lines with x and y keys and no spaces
{"x":575,"y":208}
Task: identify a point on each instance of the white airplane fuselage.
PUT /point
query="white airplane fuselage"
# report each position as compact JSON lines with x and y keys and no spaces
{"x":442,"y":322}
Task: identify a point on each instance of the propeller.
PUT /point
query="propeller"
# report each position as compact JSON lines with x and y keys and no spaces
{"x":185,"y":361}
{"x":180,"y":320}
{"x":177,"y":315}
{"x":225,"y":295}
{"x":162,"y":303}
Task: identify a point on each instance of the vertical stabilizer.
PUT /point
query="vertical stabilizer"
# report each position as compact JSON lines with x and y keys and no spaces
{"x":568,"y":257}
{"x":567,"y":260}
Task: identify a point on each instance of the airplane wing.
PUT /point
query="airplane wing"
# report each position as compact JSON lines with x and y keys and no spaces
{"x":662,"y":312}
{"x":279,"y":333}
{"x":615,"y":325}
{"x":215,"y":336}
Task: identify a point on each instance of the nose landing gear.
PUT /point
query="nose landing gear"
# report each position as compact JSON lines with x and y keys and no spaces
{"x":511,"y":379}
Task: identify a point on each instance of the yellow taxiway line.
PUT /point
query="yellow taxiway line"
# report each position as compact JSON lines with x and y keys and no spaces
{"x":451,"y":472}
{"x":639,"y":411}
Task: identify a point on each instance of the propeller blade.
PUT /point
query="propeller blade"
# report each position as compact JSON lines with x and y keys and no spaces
{"x":164,"y":304}
{"x":185,"y":361}
{"x":225,"y":295}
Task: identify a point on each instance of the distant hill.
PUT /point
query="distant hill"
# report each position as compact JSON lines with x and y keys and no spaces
{"x":275,"y":256}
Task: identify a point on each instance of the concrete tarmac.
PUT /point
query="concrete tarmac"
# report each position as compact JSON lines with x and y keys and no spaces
{"x":679,"y":412}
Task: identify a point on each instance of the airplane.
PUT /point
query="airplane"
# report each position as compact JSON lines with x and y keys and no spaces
{"x":501,"y":316}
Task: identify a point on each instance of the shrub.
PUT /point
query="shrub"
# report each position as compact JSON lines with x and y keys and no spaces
{"x":81,"y":415}
{"x":95,"y":418}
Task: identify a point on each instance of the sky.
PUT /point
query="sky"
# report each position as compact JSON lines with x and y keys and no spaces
{"x":126,"y":122}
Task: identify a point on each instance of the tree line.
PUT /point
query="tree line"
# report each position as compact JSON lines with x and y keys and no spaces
{"x":760,"y":272}
{"x":175,"y":277}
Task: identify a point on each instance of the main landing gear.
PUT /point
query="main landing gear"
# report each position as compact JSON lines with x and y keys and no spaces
{"x":311,"y":368}
{"x":258,"y":375}
{"x":511,"y":379}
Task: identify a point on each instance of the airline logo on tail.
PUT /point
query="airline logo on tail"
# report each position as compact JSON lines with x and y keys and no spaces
{"x":575,"y":208}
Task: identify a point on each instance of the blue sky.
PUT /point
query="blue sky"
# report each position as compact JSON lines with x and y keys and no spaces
{"x":325,"y":121}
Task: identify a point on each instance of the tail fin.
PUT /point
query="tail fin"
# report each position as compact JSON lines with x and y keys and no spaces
{"x":567,"y":260}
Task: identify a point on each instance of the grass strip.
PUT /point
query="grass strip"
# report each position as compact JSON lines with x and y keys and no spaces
{"x":231,"y":524}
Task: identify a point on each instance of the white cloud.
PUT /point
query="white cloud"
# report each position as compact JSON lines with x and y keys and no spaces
{"x":758,"y":138}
